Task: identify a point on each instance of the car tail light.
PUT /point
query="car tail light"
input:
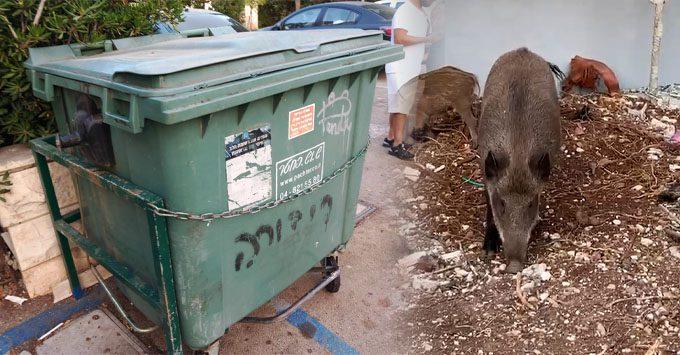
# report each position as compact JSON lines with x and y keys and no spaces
{"x":387,"y":30}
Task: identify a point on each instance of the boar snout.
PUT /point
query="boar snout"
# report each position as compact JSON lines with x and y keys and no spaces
{"x":515,"y":249}
{"x":514,"y":266}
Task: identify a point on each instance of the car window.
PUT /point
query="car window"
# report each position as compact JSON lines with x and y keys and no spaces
{"x":338,"y":16}
{"x":237,"y":26}
{"x":198,"y":20}
{"x":383,"y":11}
{"x":303,"y":19}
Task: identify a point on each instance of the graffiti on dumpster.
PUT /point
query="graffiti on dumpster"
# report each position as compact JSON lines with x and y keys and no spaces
{"x":335,"y":114}
{"x":256,"y":240}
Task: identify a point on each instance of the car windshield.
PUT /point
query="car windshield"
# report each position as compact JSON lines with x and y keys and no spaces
{"x":197,"y":20}
{"x":383,"y":11}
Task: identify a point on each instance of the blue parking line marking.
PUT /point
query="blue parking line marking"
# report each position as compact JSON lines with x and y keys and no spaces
{"x":35,"y":327}
{"x":324,"y":336}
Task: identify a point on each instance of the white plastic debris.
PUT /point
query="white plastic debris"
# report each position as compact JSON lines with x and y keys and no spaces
{"x":411,"y":259}
{"x":16,"y":299}
{"x":675,"y":252}
{"x":654,"y":153}
{"x":440,"y":168}
{"x":411,"y":174}
{"x":646,"y":242}
{"x":453,"y":256}
{"x":51,"y":331}
{"x":420,"y":283}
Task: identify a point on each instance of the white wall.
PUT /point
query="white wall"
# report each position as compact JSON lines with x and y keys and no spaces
{"x":616,"y":32}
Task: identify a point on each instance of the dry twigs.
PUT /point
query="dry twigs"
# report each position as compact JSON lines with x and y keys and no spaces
{"x":638,"y":299}
{"x":520,"y":293}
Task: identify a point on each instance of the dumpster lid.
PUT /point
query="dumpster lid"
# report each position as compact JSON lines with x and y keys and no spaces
{"x":193,"y":63}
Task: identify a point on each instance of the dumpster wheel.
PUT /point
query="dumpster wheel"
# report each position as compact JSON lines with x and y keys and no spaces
{"x":330,"y":264}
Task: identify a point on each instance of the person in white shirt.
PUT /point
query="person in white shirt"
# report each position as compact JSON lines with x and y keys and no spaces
{"x":410,"y":27}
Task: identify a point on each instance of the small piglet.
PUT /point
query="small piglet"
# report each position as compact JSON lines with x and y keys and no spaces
{"x":519,"y":140}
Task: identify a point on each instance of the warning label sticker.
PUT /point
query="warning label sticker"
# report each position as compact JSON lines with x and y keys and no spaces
{"x":248,"y":158}
{"x":301,"y":121}
{"x":300,"y":171}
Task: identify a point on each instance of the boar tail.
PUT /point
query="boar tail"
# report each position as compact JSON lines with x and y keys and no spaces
{"x":557,"y":71}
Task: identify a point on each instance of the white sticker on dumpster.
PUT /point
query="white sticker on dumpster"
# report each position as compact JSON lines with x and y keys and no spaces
{"x":248,"y":158}
{"x":301,"y":121}
{"x":300,"y":171}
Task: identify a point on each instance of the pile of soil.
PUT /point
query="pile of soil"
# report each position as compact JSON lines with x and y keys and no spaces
{"x":603,"y":270}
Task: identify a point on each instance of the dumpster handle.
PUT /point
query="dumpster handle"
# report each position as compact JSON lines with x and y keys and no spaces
{"x":132,"y":325}
{"x":286,"y":312}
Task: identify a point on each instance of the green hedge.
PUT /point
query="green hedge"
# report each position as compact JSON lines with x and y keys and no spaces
{"x":23,"y":117}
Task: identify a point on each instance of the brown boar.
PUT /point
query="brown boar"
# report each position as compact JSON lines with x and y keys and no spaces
{"x":519,"y":140}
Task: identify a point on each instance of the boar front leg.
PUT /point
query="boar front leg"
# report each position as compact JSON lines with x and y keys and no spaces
{"x":492,"y":239}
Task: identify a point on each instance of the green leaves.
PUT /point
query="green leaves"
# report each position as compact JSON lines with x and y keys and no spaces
{"x":5,"y":183}
{"x":23,"y":117}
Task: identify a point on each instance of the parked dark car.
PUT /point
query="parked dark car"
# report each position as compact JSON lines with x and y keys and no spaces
{"x":346,"y":14}
{"x":195,"y":19}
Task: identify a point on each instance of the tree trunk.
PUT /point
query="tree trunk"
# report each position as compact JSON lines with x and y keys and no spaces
{"x":252,"y":17}
{"x":297,"y":5}
{"x":656,"y":45}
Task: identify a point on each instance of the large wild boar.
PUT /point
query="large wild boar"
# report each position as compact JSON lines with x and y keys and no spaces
{"x":519,"y":140}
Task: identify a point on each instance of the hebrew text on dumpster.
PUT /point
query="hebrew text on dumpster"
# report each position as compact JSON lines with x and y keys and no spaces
{"x":251,"y":243}
{"x":300,"y":171}
{"x":249,"y":163}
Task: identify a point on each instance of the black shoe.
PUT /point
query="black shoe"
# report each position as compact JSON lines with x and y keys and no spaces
{"x":400,"y":152}
{"x":420,"y":134}
{"x":388,"y":143}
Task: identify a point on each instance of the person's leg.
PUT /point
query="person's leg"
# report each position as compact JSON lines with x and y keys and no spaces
{"x":399,"y":115}
{"x":399,"y":149}
{"x":399,"y":125}
{"x":390,"y":134}
{"x":392,"y":106}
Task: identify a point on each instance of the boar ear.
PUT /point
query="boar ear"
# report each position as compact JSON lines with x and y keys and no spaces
{"x":494,"y":164}
{"x":540,"y":166}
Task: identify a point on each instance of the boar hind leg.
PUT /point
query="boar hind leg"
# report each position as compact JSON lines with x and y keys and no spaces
{"x":492,"y":239}
{"x":471,"y":123}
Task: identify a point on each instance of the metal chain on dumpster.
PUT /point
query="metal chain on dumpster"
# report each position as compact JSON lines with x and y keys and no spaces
{"x":207,"y":217}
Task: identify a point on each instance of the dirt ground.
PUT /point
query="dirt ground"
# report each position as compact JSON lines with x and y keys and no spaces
{"x":603,"y":273}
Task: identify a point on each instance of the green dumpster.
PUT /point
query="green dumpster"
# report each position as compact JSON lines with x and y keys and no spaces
{"x":211,"y":172}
